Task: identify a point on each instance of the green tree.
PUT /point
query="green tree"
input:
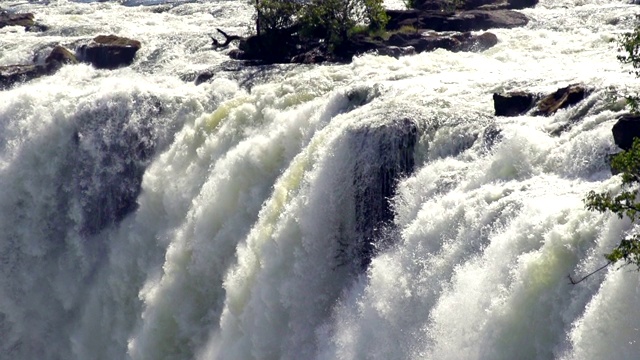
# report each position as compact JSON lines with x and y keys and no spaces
{"x":330,"y":20}
{"x":627,"y":163}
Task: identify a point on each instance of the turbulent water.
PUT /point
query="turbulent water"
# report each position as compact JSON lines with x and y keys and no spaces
{"x":376,"y":210}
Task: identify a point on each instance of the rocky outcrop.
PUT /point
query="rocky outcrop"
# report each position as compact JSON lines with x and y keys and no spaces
{"x":514,"y":103}
{"x":472,"y":20}
{"x":8,"y":19}
{"x":109,"y":51}
{"x":625,"y":130}
{"x":561,"y":99}
{"x":12,"y":74}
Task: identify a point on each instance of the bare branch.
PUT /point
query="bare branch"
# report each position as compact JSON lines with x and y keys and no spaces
{"x":574,"y":282}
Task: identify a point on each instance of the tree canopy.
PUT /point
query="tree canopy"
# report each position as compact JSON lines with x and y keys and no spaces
{"x":329,"y":20}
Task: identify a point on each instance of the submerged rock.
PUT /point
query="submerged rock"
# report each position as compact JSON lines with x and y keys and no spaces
{"x":109,"y":51}
{"x":452,"y":42}
{"x":517,"y":103}
{"x":12,"y":74}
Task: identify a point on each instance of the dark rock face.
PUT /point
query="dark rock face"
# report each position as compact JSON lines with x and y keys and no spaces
{"x":625,"y":130}
{"x":561,"y":99}
{"x":385,"y":154}
{"x":12,"y":74}
{"x":514,"y":103}
{"x":109,"y":51}
{"x":7,"y":19}
{"x":472,"y":20}
{"x":114,"y":145}
{"x":522,"y":4}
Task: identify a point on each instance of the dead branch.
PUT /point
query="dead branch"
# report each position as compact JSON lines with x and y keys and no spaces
{"x":227,"y":40}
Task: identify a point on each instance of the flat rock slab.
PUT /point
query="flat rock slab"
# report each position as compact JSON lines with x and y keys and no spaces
{"x":462,"y":21}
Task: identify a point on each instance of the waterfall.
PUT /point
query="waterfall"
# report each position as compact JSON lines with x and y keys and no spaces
{"x":371,"y":210}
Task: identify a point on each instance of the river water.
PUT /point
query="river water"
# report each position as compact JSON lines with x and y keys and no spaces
{"x":360,"y":211}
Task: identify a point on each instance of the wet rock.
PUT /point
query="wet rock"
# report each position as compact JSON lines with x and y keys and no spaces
{"x":203,"y":77}
{"x":37,"y":27}
{"x":385,"y":154}
{"x":109,"y":51}
{"x":114,"y":144}
{"x":561,"y":99}
{"x":452,"y":42}
{"x":462,"y":21}
{"x":625,"y":130}
{"x":396,"y":51}
{"x":314,"y":56}
{"x":522,"y":4}
{"x":9,"y":19}
{"x":475,"y":4}
{"x":12,"y":74}
{"x":61,"y":55}
{"x":514,"y":103}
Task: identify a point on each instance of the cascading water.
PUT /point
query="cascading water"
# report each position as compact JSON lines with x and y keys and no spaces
{"x":376,"y":210}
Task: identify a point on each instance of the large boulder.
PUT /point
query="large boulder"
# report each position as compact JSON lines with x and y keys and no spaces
{"x":561,"y":99}
{"x":514,"y":103}
{"x":625,"y":130}
{"x":109,"y":51}
{"x":9,"y":19}
{"x":472,"y":20}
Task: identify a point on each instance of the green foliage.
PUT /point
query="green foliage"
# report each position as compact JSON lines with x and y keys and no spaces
{"x":334,"y":21}
{"x":622,"y":204}
{"x":629,"y":43}
{"x":627,"y":163}
{"x":274,"y":15}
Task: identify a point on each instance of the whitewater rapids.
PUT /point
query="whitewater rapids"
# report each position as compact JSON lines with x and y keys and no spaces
{"x":145,"y":217}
